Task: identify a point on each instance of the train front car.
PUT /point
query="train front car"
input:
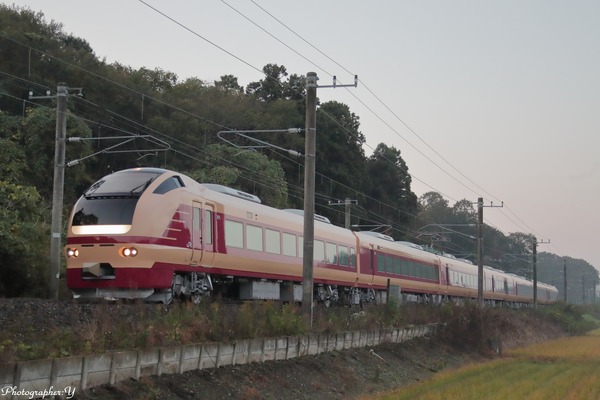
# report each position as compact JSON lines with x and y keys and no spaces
{"x":127,"y":234}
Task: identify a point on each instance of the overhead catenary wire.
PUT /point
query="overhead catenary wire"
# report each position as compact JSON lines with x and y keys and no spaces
{"x":228,"y":53}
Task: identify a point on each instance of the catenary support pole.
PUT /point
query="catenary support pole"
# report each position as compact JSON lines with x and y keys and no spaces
{"x":480,"y":251}
{"x":309,"y":195}
{"x":58,"y":189}
{"x":565,"y":279}
{"x":535,"y":273}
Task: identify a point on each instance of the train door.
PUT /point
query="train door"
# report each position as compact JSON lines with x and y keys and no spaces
{"x":202,"y":234}
{"x":447,"y":275}
{"x":366,"y":264}
{"x":208,"y":229}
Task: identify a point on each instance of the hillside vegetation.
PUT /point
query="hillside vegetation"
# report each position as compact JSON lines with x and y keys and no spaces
{"x":176,"y":124}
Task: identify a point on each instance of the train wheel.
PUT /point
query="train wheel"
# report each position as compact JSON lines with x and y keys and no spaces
{"x":167,"y":298}
{"x":196,"y":298}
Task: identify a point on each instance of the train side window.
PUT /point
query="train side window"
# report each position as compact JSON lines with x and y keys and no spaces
{"x":208,"y":227}
{"x":397,"y":263}
{"x":331,"y":253}
{"x":289,"y":244}
{"x":343,"y":255}
{"x":234,"y":234}
{"x":352,"y":257}
{"x":418,"y":270}
{"x":411,"y":268}
{"x":254,"y":238}
{"x":380,"y":262}
{"x":404,"y":267}
{"x":389,"y":264}
{"x":300,"y":246}
{"x":273,"y":241}
{"x":319,"y":251}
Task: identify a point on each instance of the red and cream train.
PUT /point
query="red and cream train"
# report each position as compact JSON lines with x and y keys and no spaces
{"x":154,"y":234}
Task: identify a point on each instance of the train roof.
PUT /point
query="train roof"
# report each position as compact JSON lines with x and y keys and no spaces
{"x":410,"y":244}
{"x":232,"y":192}
{"x":377,"y":235}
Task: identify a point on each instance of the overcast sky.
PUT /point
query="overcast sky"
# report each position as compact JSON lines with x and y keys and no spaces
{"x":498,"y":99}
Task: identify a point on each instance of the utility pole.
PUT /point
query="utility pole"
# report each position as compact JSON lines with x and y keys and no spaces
{"x":534,"y":273}
{"x":480,"y":252}
{"x":58,"y":188}
{"x":309,"y":194}
{"x":309,"y":190}
{"x":347,"y":210}
{"x":535,"y":283}
{"x":62,"y":91}
{"x":480,"y":248}
{"x":565,"y":278}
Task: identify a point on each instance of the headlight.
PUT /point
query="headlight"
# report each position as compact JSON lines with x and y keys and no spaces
{"x":72,"y":253}
{"x":129,"y":252}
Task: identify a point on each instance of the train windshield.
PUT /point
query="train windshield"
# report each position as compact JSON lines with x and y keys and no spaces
{"x":123,"y":184}
{"x":112,"y":200}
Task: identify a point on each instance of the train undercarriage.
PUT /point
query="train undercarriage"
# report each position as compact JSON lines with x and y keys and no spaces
{"x":195,"y":286}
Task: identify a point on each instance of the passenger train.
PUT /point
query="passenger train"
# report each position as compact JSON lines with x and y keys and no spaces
{"x":154,"y":234}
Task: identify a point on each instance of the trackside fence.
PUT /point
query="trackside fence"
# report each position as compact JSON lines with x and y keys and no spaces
{"x":39,"y":378}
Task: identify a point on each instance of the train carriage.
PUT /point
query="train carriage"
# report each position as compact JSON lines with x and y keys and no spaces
{"x":153,"y":234}
{"x":414,"y":271}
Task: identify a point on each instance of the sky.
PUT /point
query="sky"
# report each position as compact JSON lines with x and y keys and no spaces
{"x":492,"y":99}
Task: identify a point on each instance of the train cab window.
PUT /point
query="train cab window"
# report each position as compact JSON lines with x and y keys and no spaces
{"x":172,"y":183}
{"x":273,"y":241}
{"x":331,"y":253}
{"x":344,"y":256}
{"x":208,"y":227}
{"x":254,"y":238}
{"x":289,"y":244}
{"x":234,"y":234}
{"x":319,"y":251}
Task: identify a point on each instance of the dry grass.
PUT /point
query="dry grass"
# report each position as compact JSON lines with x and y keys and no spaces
{"x":567,"y":368}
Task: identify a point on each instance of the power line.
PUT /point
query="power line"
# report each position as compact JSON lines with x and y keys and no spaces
{"x":231,"y":54}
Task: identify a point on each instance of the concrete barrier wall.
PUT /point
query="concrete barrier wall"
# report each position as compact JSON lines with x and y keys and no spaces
{"x":35,"y":379}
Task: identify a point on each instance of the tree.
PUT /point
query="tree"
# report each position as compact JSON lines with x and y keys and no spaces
{"x":36,"y":135}
{"x":389,"y":186}
{"x":229,"y":83}
{"x":434,"y":209}
{"x":248,"y":171}
{"x":24,"y":235}
{"x":274,"y":87}
{"x":271,"y":86}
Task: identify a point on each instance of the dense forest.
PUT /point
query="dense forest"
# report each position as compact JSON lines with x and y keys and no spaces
{"x":129,"y":117}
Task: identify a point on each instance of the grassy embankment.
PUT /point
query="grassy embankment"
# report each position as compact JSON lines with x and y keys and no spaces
{"x":42,"y":329}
